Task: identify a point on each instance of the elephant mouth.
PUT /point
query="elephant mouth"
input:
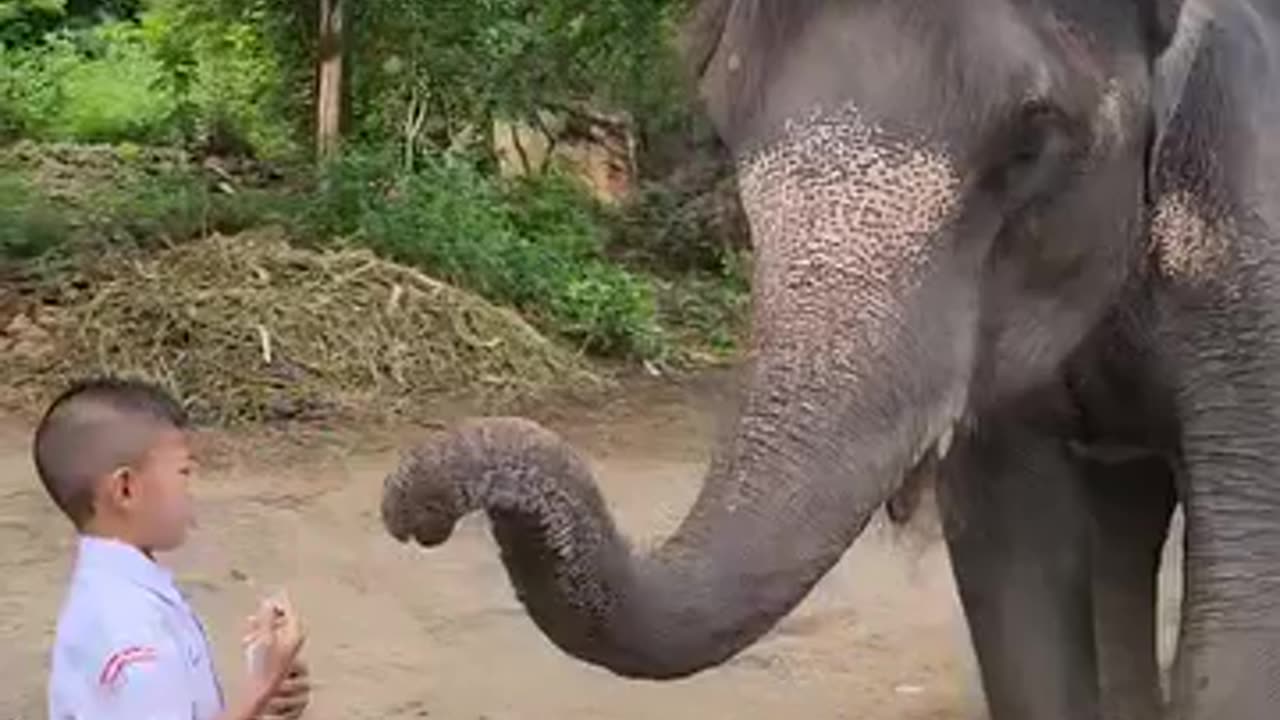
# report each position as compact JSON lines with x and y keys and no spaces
{"x":922,"y":475}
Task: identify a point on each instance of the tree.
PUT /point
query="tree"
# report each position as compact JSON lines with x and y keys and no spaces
{"x":329,"y":78}
{"x":439,"y":72}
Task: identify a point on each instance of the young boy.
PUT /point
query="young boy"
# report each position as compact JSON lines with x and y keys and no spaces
{"x":113,"y":455}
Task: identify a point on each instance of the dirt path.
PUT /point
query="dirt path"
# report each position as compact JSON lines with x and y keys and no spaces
{"x":398,"y":633}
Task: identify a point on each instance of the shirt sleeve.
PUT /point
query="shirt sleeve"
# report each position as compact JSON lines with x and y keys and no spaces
{"x":144,"y":680}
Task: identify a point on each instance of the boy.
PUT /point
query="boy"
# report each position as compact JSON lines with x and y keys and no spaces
{"x":114,"y":457}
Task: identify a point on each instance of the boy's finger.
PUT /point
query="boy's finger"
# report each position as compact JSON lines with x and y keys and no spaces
{"x":290,"y":632}
{"x":286,"y":706}
{"x":283,"y":715}
{"x":282,"y":703}
{"x":290,"y":715}
{"x":294,"y":685}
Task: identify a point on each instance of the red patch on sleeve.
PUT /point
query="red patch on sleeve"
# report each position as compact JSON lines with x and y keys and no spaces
{"x":116,"y":664}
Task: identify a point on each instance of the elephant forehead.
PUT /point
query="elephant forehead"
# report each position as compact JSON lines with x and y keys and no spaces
{"x":839,"y":196}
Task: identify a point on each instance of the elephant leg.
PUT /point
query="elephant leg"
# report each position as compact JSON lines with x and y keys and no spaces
{"x":1132,"y":504}
{"x":1016,"y":516}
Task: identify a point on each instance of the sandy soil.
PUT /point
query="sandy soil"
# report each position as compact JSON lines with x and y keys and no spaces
{"x":397,"y":632}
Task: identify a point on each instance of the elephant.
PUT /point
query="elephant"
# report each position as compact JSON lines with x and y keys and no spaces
{"x":1029,"y":247}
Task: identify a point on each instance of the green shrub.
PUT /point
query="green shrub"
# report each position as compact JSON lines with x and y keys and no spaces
{"x":172,"y":77}
{"x":705,"y":315}
{"x":30,"y":227}
{"x":535,"y":245}
{"x":81,"y":196}
{"x":116,"y":91}
{"x":97,"y":85}
{"x":28,"y":93}
{"x":608,"y":310}
{"x":682,"y":227}
{"x":229,"y":78}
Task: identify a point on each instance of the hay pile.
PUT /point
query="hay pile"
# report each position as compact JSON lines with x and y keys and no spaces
{"x":251,"y":329}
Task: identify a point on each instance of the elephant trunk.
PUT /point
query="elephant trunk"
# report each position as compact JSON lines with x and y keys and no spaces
{"x":847,"y":393}
{"x":773,"y":517}
{"x":804,"y":472}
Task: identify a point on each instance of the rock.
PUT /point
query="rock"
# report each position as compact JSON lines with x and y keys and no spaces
{"x":597,"y":148}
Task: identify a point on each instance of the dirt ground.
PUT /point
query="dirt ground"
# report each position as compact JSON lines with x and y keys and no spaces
{"x":397,"y":632}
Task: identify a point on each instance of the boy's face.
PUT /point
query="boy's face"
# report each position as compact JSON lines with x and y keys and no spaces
{"x":159,"y":505}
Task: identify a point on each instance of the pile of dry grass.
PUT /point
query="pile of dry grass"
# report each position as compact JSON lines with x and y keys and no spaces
{"x":250,"y":328}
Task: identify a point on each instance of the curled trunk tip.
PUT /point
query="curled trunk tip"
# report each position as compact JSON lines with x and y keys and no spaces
{"x":441,"y":480}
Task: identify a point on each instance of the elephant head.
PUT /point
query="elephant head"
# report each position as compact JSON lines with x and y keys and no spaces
{"x":944,"y":197}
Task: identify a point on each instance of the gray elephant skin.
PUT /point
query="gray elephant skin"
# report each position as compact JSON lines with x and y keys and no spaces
{"x":1029,"y":246}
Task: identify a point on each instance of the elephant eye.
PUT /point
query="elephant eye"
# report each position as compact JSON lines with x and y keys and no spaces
{"x":1038,"y":124}
{"x":1029,"y":152}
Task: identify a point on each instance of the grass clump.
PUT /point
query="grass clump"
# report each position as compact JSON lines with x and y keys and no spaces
{"x":30,"y":225}
{"x":61,"y":199}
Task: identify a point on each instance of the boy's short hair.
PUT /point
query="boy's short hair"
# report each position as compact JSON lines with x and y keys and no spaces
{"x":96,"y":425}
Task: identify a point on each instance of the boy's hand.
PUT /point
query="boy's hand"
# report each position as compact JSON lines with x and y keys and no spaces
{"x":279,"y":688}
{"x":292,"y":697}
{"x":278,"y":633}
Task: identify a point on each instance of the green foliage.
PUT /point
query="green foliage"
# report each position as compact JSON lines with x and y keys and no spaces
{"x":30,"y":226}
{"x":682,"y":230}
{"x":100,"y":85}
{"x":436,"y":72}
{"x":536,"y":246}
{"x":55,"y":200}
{"x":226,"y":70}
{"x":175,"y":74}
{"x":179,"y":207}
{"x":13,"y":10}
{"x":113,"y":92}
{"x":705,"y":315}
{"x":23,"y":20}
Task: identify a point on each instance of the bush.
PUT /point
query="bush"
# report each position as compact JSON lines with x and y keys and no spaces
{"x":30,"y":226}
{"x":689,"y":222}
{"x":99,"y":85}
{"x":536,"y":245}
{"x":114,"y":90}
{"x":229,"y":78}
{"x":168,"y":78}
{"x":58,"y":197}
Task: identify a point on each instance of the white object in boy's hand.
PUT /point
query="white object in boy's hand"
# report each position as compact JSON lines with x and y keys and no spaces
{"x":262,"y":624}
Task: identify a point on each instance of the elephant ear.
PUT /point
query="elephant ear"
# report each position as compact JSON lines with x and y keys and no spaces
{"x":1161,"y":18}
{"x":1173,"y":66}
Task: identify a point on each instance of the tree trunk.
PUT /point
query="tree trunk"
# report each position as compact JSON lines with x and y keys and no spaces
{"x":329,"y":71}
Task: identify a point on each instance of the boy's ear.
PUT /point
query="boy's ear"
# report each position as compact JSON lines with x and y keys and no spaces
{"x":120,"y":487}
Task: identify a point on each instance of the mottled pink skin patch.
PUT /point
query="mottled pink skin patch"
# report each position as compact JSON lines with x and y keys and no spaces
{"x":846,"y":219}
{"x":838,"y":207}
{"x":1190,"y":248}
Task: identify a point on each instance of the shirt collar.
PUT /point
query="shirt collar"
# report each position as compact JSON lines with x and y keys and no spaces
{"x":124,"y":560}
